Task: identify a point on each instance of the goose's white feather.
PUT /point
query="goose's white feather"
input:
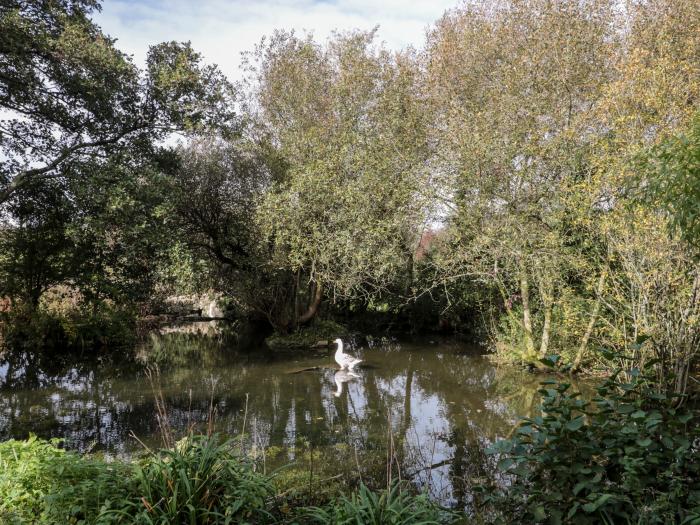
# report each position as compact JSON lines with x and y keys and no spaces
{"x":346,"y":362}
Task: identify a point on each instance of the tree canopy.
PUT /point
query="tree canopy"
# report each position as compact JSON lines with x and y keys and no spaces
{"x":69,"y":95}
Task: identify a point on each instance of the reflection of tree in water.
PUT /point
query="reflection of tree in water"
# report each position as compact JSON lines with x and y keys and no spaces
{"x":57,"y":396}
{"x":427,"y":412}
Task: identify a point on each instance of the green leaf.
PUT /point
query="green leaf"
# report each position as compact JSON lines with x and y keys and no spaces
{"x":550,"y":360}
{"x":575,"y":424}
{"x":505,"y":464}
{"x":625,"y":408}
{"x":579,"y":487}
{"x":599,"y":502}
{"x":644,"y":442}
{"x":539,"y":514}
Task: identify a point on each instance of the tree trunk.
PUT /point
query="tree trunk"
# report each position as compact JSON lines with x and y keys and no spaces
{"x":591,"y":323}
{"x":312,"y":310}
{"x":527,"y":318}
{"x":548,"y":301}
{"x":544,"y":343}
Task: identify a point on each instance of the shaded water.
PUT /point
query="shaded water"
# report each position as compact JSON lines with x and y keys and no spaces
{"x":421,"y":410}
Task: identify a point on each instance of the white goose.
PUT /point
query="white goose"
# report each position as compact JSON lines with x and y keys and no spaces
{"x":346,"y":362}
{"x":341,"y":377}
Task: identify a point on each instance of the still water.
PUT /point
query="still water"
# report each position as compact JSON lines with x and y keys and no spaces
{"x":423,"y":410}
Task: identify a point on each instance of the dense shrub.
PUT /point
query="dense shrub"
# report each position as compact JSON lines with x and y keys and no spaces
{"x":630,"y":455}
{"x":88,"y":327}
{"x":42,"y":484}
{"x":203,"y":480}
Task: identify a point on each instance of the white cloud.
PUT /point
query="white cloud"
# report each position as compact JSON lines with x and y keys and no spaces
{"x":222,"y":29}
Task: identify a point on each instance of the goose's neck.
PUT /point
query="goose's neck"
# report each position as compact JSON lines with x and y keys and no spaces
{"x":340,"y":348}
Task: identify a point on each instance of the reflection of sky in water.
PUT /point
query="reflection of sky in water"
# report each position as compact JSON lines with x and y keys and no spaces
{"x":443,"y":403}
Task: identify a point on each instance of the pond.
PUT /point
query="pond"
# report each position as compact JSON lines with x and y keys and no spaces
{"x":423,"y":410}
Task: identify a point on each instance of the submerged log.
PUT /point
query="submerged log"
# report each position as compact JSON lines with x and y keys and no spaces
{"x":310,"y":369}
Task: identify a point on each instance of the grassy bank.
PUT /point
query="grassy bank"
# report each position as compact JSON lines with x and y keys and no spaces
{"x":202,"y":480}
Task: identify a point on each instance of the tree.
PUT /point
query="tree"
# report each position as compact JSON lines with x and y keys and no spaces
{"x":79,"y":142}
{"x":37,"y":252}
{"x":68,"y":94}
{"x":651,"y":293}
{"x":511,"y":87}
{"x":215,"y":193}
{"x":346,"y":217}
{"x":670,"y":179}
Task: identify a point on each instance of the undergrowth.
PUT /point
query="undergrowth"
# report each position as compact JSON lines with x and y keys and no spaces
{"x":201,"y":481}
{"x":628,"y":456}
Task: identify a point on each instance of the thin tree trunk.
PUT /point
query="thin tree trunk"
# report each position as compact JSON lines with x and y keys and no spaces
{"x":544,"y":343}
{"x":527,"y":317}
{"x":547,"y":294}
{"x":591,"y":323}
{"x":295,"y":298}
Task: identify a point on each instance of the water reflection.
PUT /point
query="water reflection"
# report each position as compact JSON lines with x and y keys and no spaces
{"x":341,"y":377}
{"x":422,"y":411}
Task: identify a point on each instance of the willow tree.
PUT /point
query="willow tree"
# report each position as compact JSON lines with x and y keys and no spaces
{"x":345,"y":116}
{"x":512,"y":87}
{"x":652,"y":293}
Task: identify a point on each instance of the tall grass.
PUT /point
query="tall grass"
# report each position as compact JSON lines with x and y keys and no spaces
{"x":394,"y":506}
{"x":201,"y":481}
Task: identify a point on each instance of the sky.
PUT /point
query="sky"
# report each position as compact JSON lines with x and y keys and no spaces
{"x":222,"y":29}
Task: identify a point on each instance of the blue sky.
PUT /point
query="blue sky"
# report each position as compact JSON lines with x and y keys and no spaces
{"x":222,"y":29}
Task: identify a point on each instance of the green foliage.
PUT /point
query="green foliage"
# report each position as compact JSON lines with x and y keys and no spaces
{"x":37,"y":252}
{"x":95,"y":326}
{"x":630,"y":455}
{"x":72,"y":95}
{"x":202,"y":480}
{"x":83,"y":174}
{"x":297,"y":490}
{"x":347,"y":211}
{"x":670,"y":179}
{"x":42,"y":484}
{"x":307,"y":336}
{"x":395,"y":506}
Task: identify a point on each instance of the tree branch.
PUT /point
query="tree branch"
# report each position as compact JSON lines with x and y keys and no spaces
{"x":25,"y":177}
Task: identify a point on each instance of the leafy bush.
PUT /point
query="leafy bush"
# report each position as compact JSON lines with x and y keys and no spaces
{"x":201,"y":481}
{"x":43,"y":484}
{"x":305,"y":337}
{"x":628,"y":456}
{"x":387,"y":507}
{"x":88,"y":327}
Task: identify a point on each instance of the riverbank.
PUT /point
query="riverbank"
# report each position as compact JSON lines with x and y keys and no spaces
{"x":200,"y":480}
